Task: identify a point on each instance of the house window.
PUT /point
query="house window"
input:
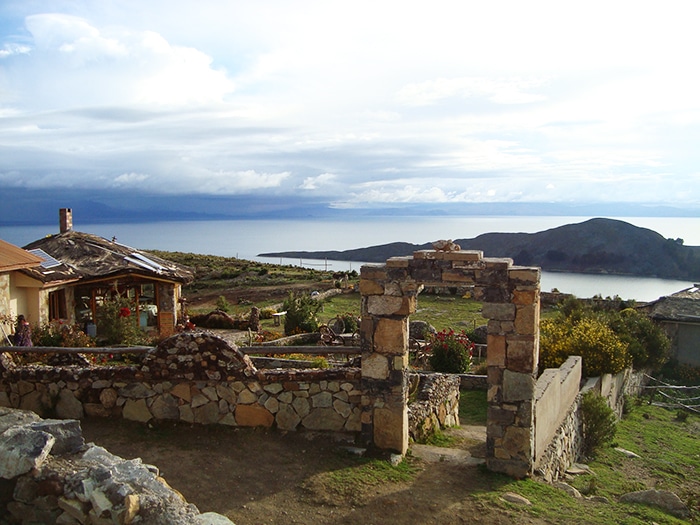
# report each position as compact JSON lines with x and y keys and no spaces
{"x":57,"y":305}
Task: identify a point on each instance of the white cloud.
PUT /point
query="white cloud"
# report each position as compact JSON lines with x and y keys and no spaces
{"x":369,"y":102}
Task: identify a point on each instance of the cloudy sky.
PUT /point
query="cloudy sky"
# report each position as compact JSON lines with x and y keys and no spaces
{"x":357,"y":104}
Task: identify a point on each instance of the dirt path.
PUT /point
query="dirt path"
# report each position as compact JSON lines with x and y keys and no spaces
{"x":255,"y":476}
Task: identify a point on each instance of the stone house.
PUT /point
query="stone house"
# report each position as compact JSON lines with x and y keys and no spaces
{"x":78,"y":271}
{"x":14,"y":285}
{"x":679,"y":315}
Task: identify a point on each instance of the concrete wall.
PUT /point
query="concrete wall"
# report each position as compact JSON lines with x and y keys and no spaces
{"x":555,"y":393}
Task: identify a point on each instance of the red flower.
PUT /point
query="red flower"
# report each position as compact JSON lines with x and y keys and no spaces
{"x":124,"y":312}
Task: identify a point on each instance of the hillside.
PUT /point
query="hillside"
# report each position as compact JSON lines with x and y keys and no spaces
{"x":593,"y":246}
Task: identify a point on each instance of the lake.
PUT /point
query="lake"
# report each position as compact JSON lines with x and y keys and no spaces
{"x":245,"y":239}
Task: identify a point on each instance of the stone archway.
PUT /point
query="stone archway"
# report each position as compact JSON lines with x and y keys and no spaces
{"x":511,"y":303}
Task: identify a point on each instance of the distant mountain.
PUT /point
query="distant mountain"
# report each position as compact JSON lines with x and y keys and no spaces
{"x":594,"y":246}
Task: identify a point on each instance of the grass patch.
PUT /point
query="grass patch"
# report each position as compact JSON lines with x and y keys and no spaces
{"x":440,"y":439}
{"x":472,"y":407}
{"x":354,"y":479}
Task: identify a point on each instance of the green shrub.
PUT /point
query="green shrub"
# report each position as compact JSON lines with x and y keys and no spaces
{"x":116,"y":324}
{"x":301,"y":314}
{"x":599,"y":422}
{"x":222,"y":304}
{"x":451,"y":352}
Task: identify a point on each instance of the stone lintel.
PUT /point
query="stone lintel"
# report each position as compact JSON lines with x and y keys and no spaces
{"x":464,"y":256}
{"x":397,"y":262}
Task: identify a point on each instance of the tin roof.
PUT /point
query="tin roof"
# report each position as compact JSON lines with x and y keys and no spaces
{"x":15,"y":258}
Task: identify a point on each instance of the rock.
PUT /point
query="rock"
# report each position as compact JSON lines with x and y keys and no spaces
{"x":10,"y":417}
{"x":212,"y":518}
{"x":626,"y":453}
{"x":67,"y":433}
{"x":23,"y":449}
{"x":324,"y":419}
{"x":137,"y":410}
{"x":287,"y":418}
{"x":663,"y":499}
{"x":68,"y":406}
{"x":253,"y":416}
{"x":578,"y":468}
{"x":512,"y":497}
{"x":571,"y":491}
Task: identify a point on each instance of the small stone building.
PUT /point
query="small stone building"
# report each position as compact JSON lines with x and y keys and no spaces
{"x":78,"y":271}
{"x":679,"y":315}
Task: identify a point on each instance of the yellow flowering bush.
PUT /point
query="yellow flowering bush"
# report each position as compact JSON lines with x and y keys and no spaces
{"x":601,"y":349}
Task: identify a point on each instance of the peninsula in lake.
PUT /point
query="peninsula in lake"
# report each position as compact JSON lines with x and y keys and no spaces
{"x":594,"y":246}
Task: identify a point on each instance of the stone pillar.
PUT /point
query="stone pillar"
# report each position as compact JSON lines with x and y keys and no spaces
{"x":513,"y":353}
{"x":384,"y":341}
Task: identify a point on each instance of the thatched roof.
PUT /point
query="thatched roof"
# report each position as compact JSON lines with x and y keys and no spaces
{"x":72,"y":256}
{"x":683,"y":306}
{"x":15,"y":258}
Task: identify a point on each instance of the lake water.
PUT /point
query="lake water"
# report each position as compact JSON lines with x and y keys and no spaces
{"x":246,"y":239}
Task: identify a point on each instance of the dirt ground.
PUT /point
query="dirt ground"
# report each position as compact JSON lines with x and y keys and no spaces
{"x":256,"y":476}
{"x":204,"y":300}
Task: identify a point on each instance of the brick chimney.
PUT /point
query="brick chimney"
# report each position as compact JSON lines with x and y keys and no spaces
{"x":65,"y":219}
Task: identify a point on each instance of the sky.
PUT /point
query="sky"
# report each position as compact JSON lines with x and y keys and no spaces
{"x":351,"y":104}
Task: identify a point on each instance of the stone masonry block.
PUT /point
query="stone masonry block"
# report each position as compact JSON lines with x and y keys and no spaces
{"x":498,"y":263}
{"x":498,"y":311}
{"x":397,"y":262}
{"x":464,"y":256}
{"x":521,"y":355}
{"x":371,"y":287}
{"x":373,"y":271}
{"x":496,"y":354}
{"x":375,"y":366}
{"x":525,"y":297}
{"x":428,"y":255}
{"x":518,"y":387}
{"x":527,"y":319}
{"x":458,"y":275}
{"x":391,"y":336}
{"x":384,"y":305}
{"x":391,"y":429}
{"x":528,"y":276}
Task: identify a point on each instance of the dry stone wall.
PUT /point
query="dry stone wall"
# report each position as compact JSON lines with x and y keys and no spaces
{"x":194,"y":378}
{"x":436,"y":405}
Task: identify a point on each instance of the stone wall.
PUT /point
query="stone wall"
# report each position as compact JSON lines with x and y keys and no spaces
{"x":436,"y":404}
{"x":194,"y":378}
{"x":566,"y":444}
{"x":49,"y":475}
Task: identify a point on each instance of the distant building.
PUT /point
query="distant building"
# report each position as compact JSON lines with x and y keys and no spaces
{"x":679,"y":315}
{"x":14,"y":299}
{"x":77,"y":271}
